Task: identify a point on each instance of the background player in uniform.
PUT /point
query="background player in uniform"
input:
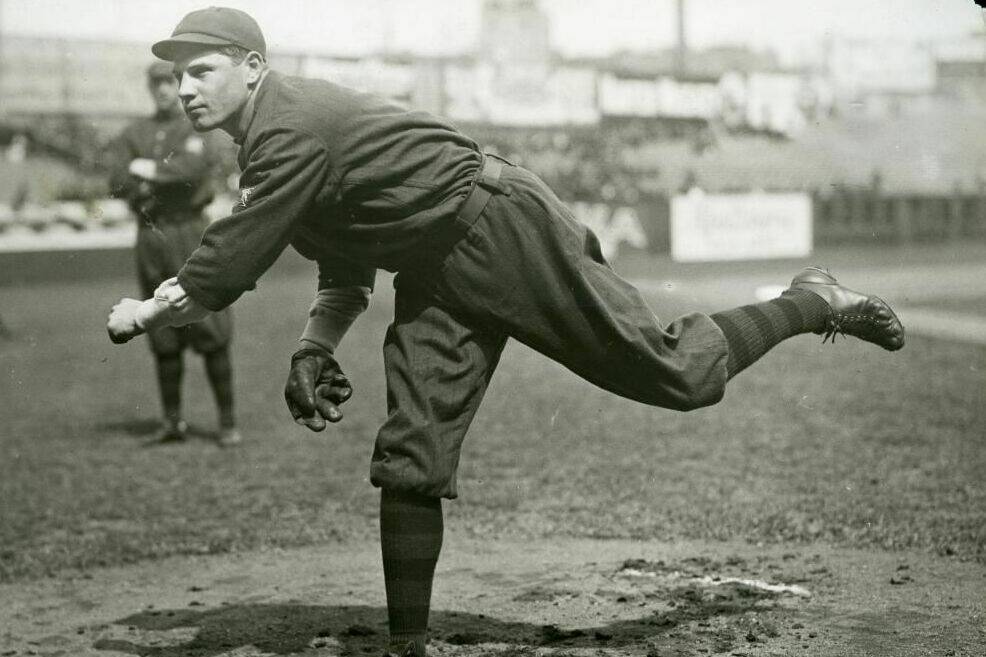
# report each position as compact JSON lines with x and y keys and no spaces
{"x":165,"y":171}
{"x":484,"y":251}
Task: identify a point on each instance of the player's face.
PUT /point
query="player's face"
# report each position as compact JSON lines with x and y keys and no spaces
{"x":164,"y":91}
{"x":213,"y":88}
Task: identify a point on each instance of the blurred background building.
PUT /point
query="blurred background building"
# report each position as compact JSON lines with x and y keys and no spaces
{"x":885,"y":134}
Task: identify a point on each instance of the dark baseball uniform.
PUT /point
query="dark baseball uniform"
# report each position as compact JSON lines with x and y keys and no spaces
{"x":357,"y":184}
{"x":170,"y":220}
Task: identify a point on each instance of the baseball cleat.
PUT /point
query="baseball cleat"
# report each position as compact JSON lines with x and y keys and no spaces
{"x":173,"y":432}
{"x":406,"y":651}
{"x":863,"y":316}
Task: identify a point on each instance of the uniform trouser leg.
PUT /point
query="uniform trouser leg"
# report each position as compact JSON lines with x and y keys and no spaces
{"x":438,"y":365}
{"x":528,"y":267}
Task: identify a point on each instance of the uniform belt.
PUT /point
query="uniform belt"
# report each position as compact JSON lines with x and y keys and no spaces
{"x":487,"y":184}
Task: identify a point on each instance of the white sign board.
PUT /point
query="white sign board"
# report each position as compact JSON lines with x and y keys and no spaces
{"x":660,"y":97}
{"x":740,"y":226}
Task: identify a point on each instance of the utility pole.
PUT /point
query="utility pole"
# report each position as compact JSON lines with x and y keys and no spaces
{"x":982,"y":13}
{"x":681,"y":49}
{"x":3,"y":59}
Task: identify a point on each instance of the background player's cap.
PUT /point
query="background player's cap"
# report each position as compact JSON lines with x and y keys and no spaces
{"x":160,"y":71}
{"x":213,"y":26}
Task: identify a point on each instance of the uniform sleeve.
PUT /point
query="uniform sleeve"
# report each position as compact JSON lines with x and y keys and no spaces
{"x":332,"y":313}
{"x":170,"y":306}
{"x":286,"y":171}
{"x":119,"y":153}
{"x":334,"y":273}
{"x":343,"y":294}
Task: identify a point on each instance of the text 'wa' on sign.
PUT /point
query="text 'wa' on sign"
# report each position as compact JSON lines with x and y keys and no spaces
{"x":750,"y":226}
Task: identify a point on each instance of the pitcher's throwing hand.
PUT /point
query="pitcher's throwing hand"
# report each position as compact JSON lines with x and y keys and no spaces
{"x":122,"y":322}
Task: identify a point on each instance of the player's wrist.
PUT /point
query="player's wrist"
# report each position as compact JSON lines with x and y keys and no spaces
{"x":308,"y":345}
{"x":151,"y":313}
{"x":312,"y":351}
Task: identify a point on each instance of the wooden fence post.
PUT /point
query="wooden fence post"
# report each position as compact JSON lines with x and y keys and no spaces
{"x":838,"y":213}
{"x":818,"y":214}
{"x":955,"y":213}
{"x":979,"y":217}
{"x":902,"y":219}
{"x":858,"y":219}
{"x":878,"y":207}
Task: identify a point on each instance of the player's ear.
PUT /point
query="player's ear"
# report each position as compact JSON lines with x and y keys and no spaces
{"x":255,"y":64}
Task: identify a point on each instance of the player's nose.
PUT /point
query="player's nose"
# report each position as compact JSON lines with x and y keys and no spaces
{"x":186,"y":89}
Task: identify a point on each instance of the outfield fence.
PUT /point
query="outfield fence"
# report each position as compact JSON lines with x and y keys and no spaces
{"x":837,"y":216}
{"x":641,"y":224}
{"x":856,"y":214}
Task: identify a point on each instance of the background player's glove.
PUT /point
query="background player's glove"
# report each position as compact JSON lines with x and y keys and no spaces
{"x":316,"y":387}
{"x":122,"y":323}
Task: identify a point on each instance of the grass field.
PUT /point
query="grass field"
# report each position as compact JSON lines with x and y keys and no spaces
{"x":843,"y":445}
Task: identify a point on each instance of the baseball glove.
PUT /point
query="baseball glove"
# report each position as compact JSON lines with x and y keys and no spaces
{"x":315,"y":389}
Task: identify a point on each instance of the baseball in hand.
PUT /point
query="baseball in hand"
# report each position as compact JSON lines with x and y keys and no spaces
{"x":144,"y":168}
{"x":122,"y":322}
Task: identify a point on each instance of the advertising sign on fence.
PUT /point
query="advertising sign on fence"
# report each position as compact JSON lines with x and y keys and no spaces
{"x":613,"y":225}
{"x":740,"y":226}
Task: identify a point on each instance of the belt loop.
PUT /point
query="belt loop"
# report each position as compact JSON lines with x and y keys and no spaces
{"x":489,"y":174}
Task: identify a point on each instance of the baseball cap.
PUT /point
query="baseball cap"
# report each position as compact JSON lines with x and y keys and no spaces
{"x":213,"y":26}
{"x":159,"y":71}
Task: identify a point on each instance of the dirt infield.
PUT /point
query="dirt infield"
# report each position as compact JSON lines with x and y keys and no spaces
{"x":555,"y":597}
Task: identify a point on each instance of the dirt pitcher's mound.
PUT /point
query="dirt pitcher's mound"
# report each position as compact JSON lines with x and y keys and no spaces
{"x":557,"y":597}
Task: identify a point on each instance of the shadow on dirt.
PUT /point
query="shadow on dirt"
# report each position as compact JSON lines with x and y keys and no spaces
{"x":289,"y":628}
{"x":134,"y":426}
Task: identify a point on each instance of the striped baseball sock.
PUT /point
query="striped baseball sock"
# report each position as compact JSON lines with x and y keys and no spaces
{"x":411,"y":538}
{"x":751,"y":331}
{"x":170,"y":370}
